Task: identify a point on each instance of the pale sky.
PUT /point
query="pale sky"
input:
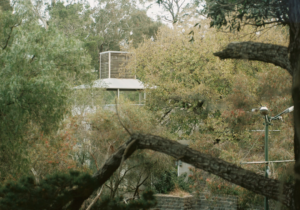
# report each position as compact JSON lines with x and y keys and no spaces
{"x":152,"y":12}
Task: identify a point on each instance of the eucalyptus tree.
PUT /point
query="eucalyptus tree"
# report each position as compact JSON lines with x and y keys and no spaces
{"x":121,"y":22}
{"x":75,"y":20}
{"x":109,"y":26}
{"x":177,"y":10}
{"x":5,"y":5}
{"x":39,"y":67}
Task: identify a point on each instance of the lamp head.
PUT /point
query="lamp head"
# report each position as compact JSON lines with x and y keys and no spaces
{"x":290,"y":109}
{"x":264,"y":110}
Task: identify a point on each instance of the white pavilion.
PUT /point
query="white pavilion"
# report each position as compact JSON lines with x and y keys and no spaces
{"x":115,"y":78}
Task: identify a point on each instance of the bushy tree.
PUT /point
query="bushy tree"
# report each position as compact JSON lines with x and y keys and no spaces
{"x":106,"y":27}
{"x":52,"y":192}
{"x":228,"y":91}
{"x":38,"y":69}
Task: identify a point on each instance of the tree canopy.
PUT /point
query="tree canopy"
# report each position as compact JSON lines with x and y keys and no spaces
{"x":38,"y":69}
{"x":43,"y":59}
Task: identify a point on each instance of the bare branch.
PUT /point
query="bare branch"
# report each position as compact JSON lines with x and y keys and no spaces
{"x":94,"y":160}
{"x":95,"y":199}
{"x":120,"y":119}
{"x":35,"y":176}
{"x":37,"y":13}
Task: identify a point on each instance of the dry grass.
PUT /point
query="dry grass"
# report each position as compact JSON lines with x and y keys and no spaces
{"x":179,"y":192}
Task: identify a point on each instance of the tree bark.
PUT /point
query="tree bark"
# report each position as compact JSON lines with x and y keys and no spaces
{"x":294,"y":58}
{"x":269,"y":53}
{"x":249,"y":180}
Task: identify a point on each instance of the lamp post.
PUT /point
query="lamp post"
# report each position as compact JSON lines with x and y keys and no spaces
{"x":264,"y":111}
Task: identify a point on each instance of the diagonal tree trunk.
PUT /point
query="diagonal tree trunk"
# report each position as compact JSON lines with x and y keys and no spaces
{"x":269,"y":53}
{"x":249,"y":180}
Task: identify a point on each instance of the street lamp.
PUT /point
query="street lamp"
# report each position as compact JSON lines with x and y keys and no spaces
{"x":264,"y":111}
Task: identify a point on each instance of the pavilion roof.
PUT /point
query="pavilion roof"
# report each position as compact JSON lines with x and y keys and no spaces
{"x":113,"y":83}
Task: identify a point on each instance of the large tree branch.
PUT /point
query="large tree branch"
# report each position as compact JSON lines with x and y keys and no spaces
{"x":269,"y":53}
{"x":249,"y":180}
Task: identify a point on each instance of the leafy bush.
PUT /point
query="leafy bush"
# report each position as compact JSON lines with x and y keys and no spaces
{"x":167,"y":182}
{"x":184,"y":185}
{"x":57,"y":190}
{"x":147,"y":201}
{"x":164,"y":183}
{"x":51,"y":193}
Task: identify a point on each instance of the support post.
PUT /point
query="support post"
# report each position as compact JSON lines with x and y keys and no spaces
{"x":109,"y":60}
{"x":118,"y":94}
{"x":92,"y":98}
{"x":140,"y":97}
{"x":266,"y":202}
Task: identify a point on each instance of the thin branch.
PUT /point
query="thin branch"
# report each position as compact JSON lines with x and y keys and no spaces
{"x":9,"y":36}
{"x":120,"y":119}
{"x":107,"y":186}
{"x":94,"y":160}
{"x":95,"y":199}
{"x":32,"y":58}
{"x":35,"y":175}
{"x":137,"y":187}
{"x":166,"y":113}
{"x":265,"y":23}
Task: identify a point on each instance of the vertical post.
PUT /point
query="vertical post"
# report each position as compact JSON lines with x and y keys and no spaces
{"x":92,"y":99}
{"x":140,"y":98}
{"x":100,"y":68}
{"x":118,"y":94}
{"x":134,"y":66}
{"x":177,"y":167}
{"x":109,"y":64}
{"x":266,"y":203}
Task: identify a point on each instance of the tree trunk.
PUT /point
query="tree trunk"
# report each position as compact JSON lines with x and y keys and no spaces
{"x":271,"y":188}
{"x":294,"y":57}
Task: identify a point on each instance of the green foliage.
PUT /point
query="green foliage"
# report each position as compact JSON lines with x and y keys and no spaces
{"x":189,"y":79}
{"x":169,"y":180}
{"x":184,"y":183}
{"x":5,"y":5}
{"x":224,"y":126}
{"x":234,"y":14}
{"x":164,"y":183}
{"x":38,"y":69}
{"x":106,"y":134}
{"x":102,"y":28}
{"x":53,"y":192}
{"x":74,"y":20}
{"x":147,"y":201}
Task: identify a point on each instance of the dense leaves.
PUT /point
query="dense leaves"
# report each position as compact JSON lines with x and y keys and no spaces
{"x":209,"y":101}
{"x":234,"y":14}
{"x":38,"y":69}
{"x":147,"y":201}
{"x":106,"y":27}
{"x":52,"y":192}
